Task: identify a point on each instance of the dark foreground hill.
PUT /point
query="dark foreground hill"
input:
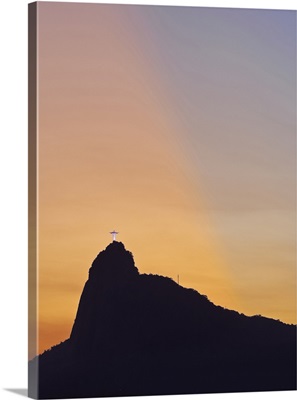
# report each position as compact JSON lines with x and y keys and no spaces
{"x":138,"y":334}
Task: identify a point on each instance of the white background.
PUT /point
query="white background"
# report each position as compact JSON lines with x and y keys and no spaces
{"x":13,"y":186}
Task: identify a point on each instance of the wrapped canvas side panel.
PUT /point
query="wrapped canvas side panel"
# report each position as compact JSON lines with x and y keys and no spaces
{"x":32,"y":234}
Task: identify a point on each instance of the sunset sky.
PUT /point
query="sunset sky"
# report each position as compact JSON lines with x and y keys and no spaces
{"x":175,"y":126}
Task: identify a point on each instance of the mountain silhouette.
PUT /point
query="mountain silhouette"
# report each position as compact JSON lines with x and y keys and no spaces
{"x":139,"y":334}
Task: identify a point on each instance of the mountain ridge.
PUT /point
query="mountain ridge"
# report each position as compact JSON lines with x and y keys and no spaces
{"x":143,"y":334}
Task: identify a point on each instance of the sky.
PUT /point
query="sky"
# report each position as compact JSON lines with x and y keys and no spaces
{"x":176,"y":127}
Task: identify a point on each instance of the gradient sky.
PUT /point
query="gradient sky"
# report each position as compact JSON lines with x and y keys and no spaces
{"x":177,"y":127}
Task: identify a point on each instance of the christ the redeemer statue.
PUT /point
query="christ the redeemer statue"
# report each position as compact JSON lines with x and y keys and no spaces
{"x":114,"y":235}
